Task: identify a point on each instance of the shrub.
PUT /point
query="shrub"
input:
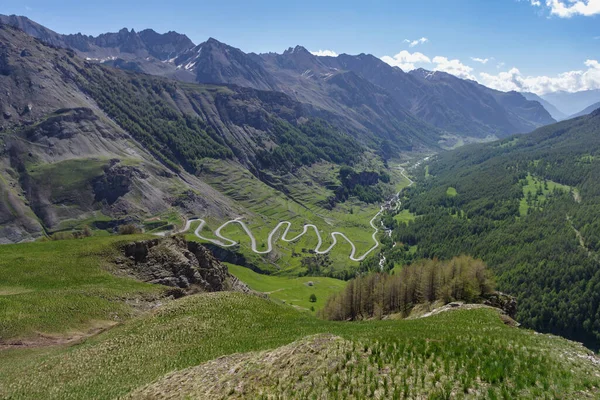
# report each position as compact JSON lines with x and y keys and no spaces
{"x":129,"y":229}
{"x":87,"y":231}
{"x":62,"y":236}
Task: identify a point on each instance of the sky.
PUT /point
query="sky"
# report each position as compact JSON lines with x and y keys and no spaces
{"x":526,"y":45}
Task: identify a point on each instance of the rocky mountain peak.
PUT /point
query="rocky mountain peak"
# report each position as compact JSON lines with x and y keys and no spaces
{"x":33,"y":29}
{"x":165,"y":46}
{"x":425,"y":74}
{"x":296,"y":50}
{"x":214,"y":42}
{"x":301,"y":60}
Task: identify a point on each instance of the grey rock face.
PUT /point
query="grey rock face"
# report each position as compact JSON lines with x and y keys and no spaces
{"x":177,"y":263}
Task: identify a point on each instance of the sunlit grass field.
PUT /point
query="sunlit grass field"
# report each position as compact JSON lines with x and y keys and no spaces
{"x":538,"y":198}
{"x":60,"y":286}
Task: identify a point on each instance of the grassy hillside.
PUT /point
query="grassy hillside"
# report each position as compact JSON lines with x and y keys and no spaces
{"x":468,"y":353}
{"x":54,"y":288}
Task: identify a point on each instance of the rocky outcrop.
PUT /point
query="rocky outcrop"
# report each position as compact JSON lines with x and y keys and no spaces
{"x":503,"y":301}
{"x":175,"y":262}
{"x":116,"y":182}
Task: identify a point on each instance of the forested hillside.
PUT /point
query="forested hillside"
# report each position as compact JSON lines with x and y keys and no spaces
{"x":529,"y":207}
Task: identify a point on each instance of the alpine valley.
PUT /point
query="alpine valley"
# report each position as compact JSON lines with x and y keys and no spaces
{"x":182,"y":220}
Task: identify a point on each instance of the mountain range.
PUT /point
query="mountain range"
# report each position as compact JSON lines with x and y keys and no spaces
{"x":362,"y":89}
{"x":551,"y":108}
{"x":82,"y":141}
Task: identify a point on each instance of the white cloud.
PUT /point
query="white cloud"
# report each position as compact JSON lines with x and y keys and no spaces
{"x":324,"y":53}
{"x":536,"y":3}
{"x":571,"y":81}
{"x":413,"y":43}
{"x":454,"y":67}
{"x":480,"y":60}
{"x":512,"y":79}
{"x":406,"y":60}
{"x":570,"y":8}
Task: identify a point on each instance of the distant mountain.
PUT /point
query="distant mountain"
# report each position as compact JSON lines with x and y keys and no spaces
{"x":587,"y":111}
{"x":523,"y":114}
{"x":571,"y":103}
{"x":372,"y":110}
{"x":146,"y":51}
{"x":216,"y":62}
{"x":551,"y":108}
{"x":483,"y":109}
{"x":460,"y":106}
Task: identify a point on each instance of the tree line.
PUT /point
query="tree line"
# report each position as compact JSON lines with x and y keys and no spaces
{"x":378,"y":293}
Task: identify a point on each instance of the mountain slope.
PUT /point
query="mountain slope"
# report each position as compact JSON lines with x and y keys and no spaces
{"x":587,"y":111}
{"x":345,"y":93}
{"x":527,"y":206}
{"x":214,"y":62}
{"x":524,"y":115}
{"x":34,"y":29}
{"x":551,"y":108}
{"x":217,"y":63}
{"x":63,"y":161}
{"x":367,"y":110}
{"x":174,"y":351}
{"x":145,"y":51}
{"x":571,"y":103}
{"x":83,"y":142}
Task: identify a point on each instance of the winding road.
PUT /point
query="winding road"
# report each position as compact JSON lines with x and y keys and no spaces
{"x":226,"y":242}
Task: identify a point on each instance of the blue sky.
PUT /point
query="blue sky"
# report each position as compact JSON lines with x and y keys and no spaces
{"x":536,"y":37}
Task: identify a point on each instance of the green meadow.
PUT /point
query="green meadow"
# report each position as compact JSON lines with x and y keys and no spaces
{"x":305,"y":203}
{"x":293,"y":291}
{"x":535,"y":192}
